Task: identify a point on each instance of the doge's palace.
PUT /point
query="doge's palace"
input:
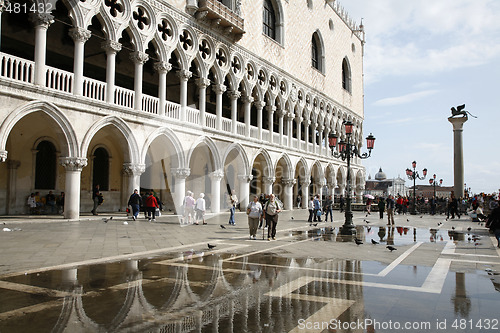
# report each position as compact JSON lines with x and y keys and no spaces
{"x":173,"y":96}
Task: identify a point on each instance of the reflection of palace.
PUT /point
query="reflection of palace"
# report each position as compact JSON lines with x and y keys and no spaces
{"x":199,"y":95}
{"x":211,"y":295}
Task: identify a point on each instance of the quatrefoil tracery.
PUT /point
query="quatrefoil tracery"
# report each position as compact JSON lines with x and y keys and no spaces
{"x":141,"y":17}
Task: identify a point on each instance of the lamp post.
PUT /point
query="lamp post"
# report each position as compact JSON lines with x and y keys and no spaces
{"x":413,"y":175}
{"x":346,"y":151}
{"x":433,"y":181}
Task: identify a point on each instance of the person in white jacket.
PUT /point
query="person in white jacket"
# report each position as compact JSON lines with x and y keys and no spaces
{"x":200,"y":209}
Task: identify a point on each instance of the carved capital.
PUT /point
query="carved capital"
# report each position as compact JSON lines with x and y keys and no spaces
{"x":220,"y":89}
{"x":43,"y":20}
{"x":268,"y":180}
{"x":271,"y":108}
{"x":133,"y":169}
{"x":181,"y":173}
{"x":162,"y":67}
{"x":139,"y":57}
{"x":79,"y":34}
{"x":217,"y":175}
{"x":288,"y":182}
{"x":248,"y":99}
{"x":259,"y":105}
{"x":110,"y":46}
{"x":245,"y":178}
{"x":305,"y":183}
{"x":73,"y":163}
{"x":3,"y":155}
{"x":203,"y":83}
{"x":234,"y":94}
{"x":184,"y":74}
{"x":13,"y":164}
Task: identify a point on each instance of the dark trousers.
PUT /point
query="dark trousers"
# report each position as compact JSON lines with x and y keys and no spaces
{"x":316,"y":217}
{"x":151,"y":212}
{"x":381,"y":213}
{"x":311,"y":214}
{"x":272,"y":222}
{"x":135,"y":210}
{"x":329,"y":211}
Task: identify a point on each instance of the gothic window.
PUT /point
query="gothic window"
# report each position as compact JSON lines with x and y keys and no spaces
{"x":346,"y":75}
{"x":317,"y":52}
{"x":269,"y":19}
{"x":100,"y":169}
{"x":315,"y":55}
{"x":45,"y":169}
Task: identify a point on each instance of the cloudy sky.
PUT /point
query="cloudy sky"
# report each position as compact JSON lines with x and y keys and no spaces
{"x":422,"y":58}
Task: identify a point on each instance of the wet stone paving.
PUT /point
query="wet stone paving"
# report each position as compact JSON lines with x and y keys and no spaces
{"x":437,"y":280}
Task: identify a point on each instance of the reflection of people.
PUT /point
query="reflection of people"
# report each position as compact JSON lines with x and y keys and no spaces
{"x":233,"y":201}
{"x":135,"y":201}
{"x":272,"y":208}
{"x":254,"y":211}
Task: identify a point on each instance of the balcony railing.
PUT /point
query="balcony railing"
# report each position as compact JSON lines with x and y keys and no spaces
{"x":22,"y":70}
{"x":226,"y":18}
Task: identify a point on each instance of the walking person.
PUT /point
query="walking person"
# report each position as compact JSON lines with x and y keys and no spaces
{"x":381,"y":207}
{"x":329,"y":208}
{"x":272,"y":209}
{"x":263,"y":199}
{"x":32,"y":203}
{"x":310,"y":207}
{"x":390,"y":210}
{"x":96,"y":198}
{"x":135,"y":201}
{"x":368,"y":206}
{"x":60,"y":204}
{"x":317,"y":208}
{"x":254,"y":212}
{"x":151,"y":205}
{"x":189,"y":204}
{"x":494,"y":223}
{"x":200,"y":209}
{"x":341,"y":203}
{"x":233,"y":201}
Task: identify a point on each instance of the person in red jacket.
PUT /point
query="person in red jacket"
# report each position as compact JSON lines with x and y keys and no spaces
{"x":151,"y":205}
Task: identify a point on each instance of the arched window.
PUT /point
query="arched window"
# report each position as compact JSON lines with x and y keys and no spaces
{"x":45,"y":169}
{"x":315,"y":53}
{"x":346,"y":75}
{"x":100,"y":169}
{"x":269,"y":20}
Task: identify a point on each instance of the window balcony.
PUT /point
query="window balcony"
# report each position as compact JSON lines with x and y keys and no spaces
{"x":219,"y":15}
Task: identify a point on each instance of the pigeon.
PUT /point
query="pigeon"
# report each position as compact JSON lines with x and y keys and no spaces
{"x":223,"y":227}
{"x":469,"y":229}
{"x":291,"y":218}
{"x":391,"y":248}
{"x":440,"y":223}
{"x":421,"y":216}
{"x":452,"y":228}
{"x":358,"y":241}
{"x":407,"y":220}
{"x":210,"y":247}
{"x":315,"y":224}
{"x":367,"y":221}
{"x":105,"y":220}
{"x":469,"y":239}
{"x":374,"y":242}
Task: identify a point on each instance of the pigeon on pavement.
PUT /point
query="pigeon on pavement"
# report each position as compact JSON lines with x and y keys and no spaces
{"x":391,"y":248}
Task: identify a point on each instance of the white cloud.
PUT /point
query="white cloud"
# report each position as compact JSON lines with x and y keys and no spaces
{"x":408,"y":98}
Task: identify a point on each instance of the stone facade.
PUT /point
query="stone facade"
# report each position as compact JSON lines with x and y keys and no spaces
{"x":177,"y":96}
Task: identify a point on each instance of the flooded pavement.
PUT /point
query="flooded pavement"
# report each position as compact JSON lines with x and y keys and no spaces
{"x":233,"y":288}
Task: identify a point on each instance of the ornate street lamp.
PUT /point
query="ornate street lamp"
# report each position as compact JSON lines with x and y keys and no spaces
{"x":347,"y":150}
{"x":434,"y":182}
{"x":413,"y":175}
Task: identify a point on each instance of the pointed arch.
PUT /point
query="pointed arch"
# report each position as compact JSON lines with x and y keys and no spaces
{"x":211,"y":146}
{"x":241,"y":152}
{"x":174,"y":140}
{"x":267,"y":158}
{"x":288,"y":164}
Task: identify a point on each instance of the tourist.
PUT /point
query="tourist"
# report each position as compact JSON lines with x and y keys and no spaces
{"x":233,"y":201}
{"x":310,"y":207}
{"x":32,"y":203}
{"x":381,"y":207}
{"x":329,"y":208}
{"x":390,"y":210}
{"x":50,"y":200}
{"x":272,"y":209}
{"x":494,"y":223}
{"x":317,"y":208}
{"x":254,"y":212}
{"x":200,"y":209}
{"x":135,"y":201}
{"x":151,"y":206}
{"x":96,"y":195}
{"x":189,"y":203}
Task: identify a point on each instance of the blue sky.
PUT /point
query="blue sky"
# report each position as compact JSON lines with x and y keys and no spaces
{"x":422,"y":58}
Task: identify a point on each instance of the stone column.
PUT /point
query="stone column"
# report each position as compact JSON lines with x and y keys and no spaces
{"x":219,"y":89}
{"x":244,"y":190}
{"x":299,"y":132}
{"x":458,"y":156}
{"x":80,"y":36}
{"x":3,"y":155}
{"x":313,"y":137}
{"x":73,"y":166}
{"x":268,"y":184}
{"x":288,"y":193}
{"x":260,"y":106}
{"x":42,"y":23}
{"x":139,"y":59}
{"x":320,"y":185}
{"x":111,"y":47}
{"x":305,"y":192}
{"x":162,"y":67}
{"x":320,"y":132}
{"x":306,"y":141}
{"x":216,"y":177}
{"x":233,"y":96}
{"x":184,"y":76}
{"x":270,"y":112}
{"x":133,"y":172}
{"x":247,"y":106}
{"x":202,"y":86}
{"x":180,"y":186}
{"x":289,"y":128}
{"x":12,"y":165}
{"x":281,"y":115}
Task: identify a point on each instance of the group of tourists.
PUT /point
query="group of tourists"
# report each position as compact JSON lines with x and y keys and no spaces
{"x":193,"y":209}
{"x":317,"y":209}
{"x":48,"y":204}
{"x":263,"y":208}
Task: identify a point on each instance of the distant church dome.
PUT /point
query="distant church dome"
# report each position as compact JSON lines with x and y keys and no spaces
{"x":380,"y":175}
